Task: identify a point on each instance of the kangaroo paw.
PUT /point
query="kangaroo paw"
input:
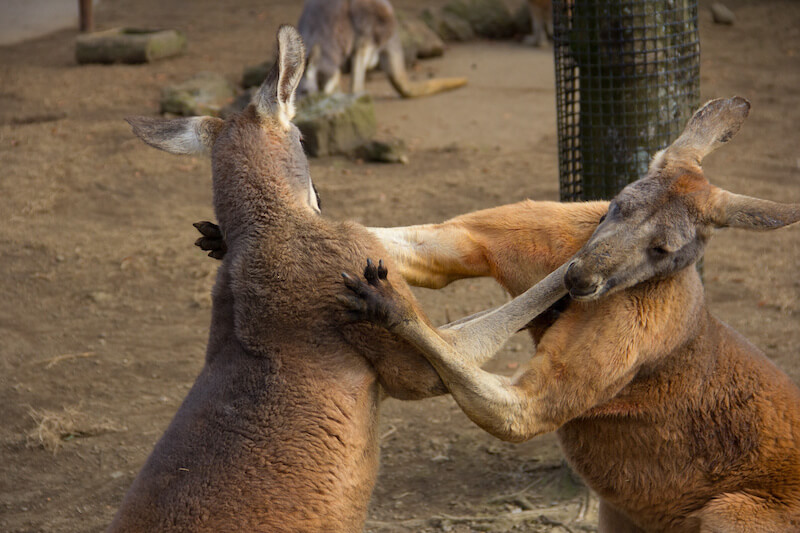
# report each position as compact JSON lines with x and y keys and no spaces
{"x":212,"y":240}
{"x":374,"y":300}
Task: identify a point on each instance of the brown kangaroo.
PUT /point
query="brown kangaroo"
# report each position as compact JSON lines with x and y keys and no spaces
{"x":676,"y":421}
{"x":278,"y":433}
{"x":363,"y":32}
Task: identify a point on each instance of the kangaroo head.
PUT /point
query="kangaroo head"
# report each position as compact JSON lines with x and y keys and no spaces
{"x":261,"y":139}
{"x":661,"y":223}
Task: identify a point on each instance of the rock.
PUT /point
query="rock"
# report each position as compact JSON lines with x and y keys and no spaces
{"x":448,"y":26}
{"x":521,"y":15}
{"x":417,"y":36}
{"x":390,"y":151}
{"x":100,"y":297}
{"x":488,"y":18}
{"x":721,"y":14}
{"x":239,"y":103}
{"x":128,"y":45}
{"x":254,"y":76}
{"x":335,"y":124}
{"x":206,"y":93}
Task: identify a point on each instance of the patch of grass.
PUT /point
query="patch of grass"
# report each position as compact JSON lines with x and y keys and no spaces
{"x":54,"y":428}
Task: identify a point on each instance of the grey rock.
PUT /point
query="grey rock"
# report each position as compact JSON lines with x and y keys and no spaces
{"x":206,"y":93}
{"x":448,"y":26}
{"x":417,"y":36}
{"x":335,"y":124}
{"x":389,"y":151}
{"x":488,"y":18}
{"x":721,"y":14}
{"x":255,"y":75}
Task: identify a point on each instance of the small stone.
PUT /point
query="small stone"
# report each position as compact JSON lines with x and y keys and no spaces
{"x":117,"y":474}
{"x":206,"y":93}
{"x":390,"y":151}
{"x":99,"y":297}
{"x":721,"y":14}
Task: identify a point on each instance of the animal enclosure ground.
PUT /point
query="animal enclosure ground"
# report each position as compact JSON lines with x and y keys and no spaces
{"x":106,"y":302}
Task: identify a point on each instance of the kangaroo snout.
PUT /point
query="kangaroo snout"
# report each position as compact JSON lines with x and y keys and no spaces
{"x":582,"y":285}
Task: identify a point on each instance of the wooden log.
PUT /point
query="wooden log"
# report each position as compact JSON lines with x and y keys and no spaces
{"x":128,"y":45}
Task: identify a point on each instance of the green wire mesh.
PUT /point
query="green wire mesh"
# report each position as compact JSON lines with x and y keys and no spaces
{"x":627,"y":80}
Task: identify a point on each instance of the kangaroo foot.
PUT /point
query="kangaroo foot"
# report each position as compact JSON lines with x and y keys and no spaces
{"x":212,"y":240}
{"x":375,"y":301}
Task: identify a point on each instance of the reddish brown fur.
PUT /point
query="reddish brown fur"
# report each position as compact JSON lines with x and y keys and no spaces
{"x":673,"y":418}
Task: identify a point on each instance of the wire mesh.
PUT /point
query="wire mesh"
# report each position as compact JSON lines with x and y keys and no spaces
{"x":627,"y":80}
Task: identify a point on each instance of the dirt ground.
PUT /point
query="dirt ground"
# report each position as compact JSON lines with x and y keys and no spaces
{"x":106,"y":302}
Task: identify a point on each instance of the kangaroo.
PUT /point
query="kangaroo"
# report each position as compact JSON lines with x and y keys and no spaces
{"x":278,"y":433}
{"x":675,"y":420}
{"x":541,"y":22}
{"x":363,"y":32}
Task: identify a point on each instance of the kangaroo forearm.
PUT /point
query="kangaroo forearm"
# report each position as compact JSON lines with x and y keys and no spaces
{"x":478,"y":339}
{"x":489,"y":400}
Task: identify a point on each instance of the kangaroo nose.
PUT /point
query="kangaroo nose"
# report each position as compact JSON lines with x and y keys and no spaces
{"x":569,"y":275}
{"x":579,"y":283}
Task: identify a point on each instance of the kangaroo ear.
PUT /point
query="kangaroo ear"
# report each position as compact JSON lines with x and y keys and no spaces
{"x":711,"y":126}
{"x":738,"y":211}
{"x":276,"y":95}
{"x":180,"y":136}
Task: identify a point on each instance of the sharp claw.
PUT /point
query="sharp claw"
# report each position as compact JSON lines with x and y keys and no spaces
{"x":352,"y":283}
{"x":371,"y":272}
{"x":382,"y":270}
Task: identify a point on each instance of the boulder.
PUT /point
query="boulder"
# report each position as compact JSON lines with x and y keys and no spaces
{"x":722,"y":14}
{"x":206,"y":93}
{"x":448,"y":26}
{"x":254,"y":76}
{"x":335,"y":124}
{"x":417,"y":36}
{"x":128,"y":45}
{"x":488,"y":18}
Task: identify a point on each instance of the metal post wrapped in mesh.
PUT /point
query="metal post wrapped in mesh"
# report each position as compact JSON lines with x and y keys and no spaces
{"x":627,"y":80}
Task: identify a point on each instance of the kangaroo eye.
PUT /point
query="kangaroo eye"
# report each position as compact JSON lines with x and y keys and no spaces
{"x":659,"y":251}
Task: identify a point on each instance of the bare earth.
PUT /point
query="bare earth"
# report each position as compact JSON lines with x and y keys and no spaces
{"x":106,"y":302}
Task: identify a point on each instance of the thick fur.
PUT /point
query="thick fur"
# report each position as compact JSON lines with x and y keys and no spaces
{"x":278,"y":433}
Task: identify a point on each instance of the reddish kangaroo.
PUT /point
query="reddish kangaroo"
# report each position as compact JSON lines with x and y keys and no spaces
{"x":675,"y":420}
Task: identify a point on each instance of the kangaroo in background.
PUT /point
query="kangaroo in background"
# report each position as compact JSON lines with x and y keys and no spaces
{"x":541,"y":22}
{"x":365,"y":33}
{"x":676,"y":421}
{"x":278,"y":432}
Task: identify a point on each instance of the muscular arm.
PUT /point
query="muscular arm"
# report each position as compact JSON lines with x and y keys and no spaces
{"x":569,"y":374}
{"x":517,"y":244}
